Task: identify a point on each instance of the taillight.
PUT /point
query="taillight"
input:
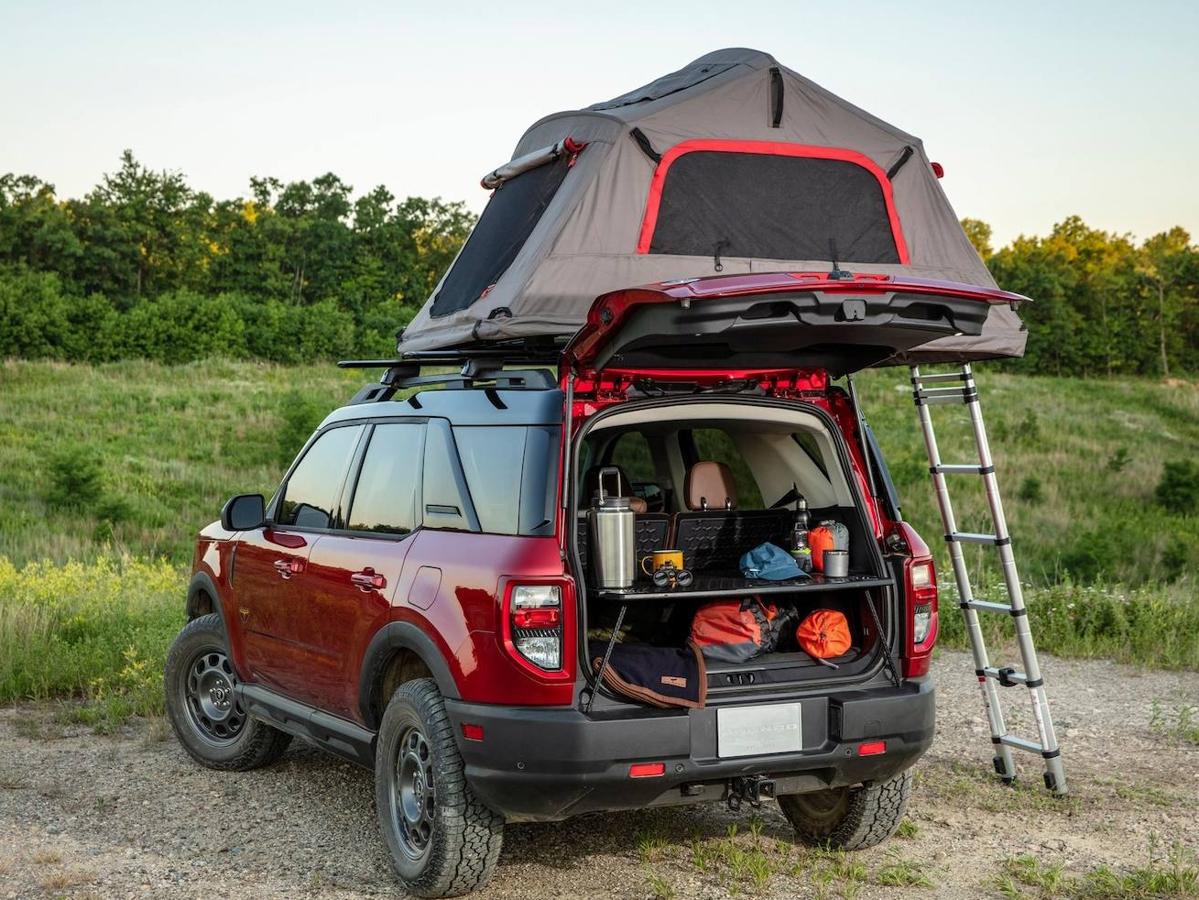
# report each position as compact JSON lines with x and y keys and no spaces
{"x":920,"y":582}
{"x":535,"y":614}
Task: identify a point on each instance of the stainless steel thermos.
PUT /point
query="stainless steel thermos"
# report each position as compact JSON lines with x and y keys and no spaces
{"x":613,"y":544}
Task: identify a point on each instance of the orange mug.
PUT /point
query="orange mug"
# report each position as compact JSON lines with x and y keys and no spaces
{"x":661,"y":558}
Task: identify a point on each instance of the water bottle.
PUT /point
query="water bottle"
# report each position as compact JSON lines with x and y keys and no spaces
{"x":612,"y":526}
{"x":801,"y":550}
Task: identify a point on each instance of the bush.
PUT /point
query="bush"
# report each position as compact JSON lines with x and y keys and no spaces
{"x":180,"y":327}
{"x":75,"y":480}
{"x":300,"y":415}
{"x":1030,"y":490}
{"x":98,"y":630}
{"x":1178,"y":490}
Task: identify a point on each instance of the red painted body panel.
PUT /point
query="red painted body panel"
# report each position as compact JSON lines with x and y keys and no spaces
{"x":464,"y":619}
{"x":339,"y":618}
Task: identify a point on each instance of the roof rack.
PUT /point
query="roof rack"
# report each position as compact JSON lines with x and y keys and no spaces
{"x":480,"y":368}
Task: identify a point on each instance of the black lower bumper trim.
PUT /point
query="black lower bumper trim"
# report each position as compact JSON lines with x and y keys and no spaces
{"x":546,"y":764}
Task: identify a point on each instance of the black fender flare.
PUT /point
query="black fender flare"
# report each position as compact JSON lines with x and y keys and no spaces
{"x":401,"y":636}
{"x":202,"y":583}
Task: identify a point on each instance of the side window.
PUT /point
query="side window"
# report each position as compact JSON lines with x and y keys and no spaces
{"x":493,"y":459}
{"x":511,"y":472}
{"x":311,"y":494}
{"x":631,"y":452}
{"x":715,"y":445}
{"x":385,"y":495}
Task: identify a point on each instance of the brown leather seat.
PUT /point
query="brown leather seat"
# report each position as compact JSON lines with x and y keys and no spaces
{"x":710,"y":485}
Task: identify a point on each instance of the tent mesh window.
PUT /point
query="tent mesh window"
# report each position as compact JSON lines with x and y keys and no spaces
{"x":512,"y":213}
{"x":757,"y":205}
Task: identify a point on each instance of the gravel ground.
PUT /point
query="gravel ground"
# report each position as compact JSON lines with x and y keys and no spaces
{"x":131,"y":816}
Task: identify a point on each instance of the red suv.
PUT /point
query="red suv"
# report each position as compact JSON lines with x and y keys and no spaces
{"x":419,"y":595}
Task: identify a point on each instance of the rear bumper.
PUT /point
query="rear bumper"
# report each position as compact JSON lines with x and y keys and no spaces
{"x":544,"y":764}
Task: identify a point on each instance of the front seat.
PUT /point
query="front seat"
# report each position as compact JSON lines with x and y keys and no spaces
{"x":710,"y":486}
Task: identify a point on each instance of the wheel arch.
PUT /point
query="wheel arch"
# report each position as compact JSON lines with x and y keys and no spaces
{"x":203,"y":598}
{"x":399,"y":647}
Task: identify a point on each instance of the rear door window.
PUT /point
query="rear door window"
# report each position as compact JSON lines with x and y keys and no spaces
{"x":385,"y":496}
{"x":312,"y":494}
{"x":632,"y":453}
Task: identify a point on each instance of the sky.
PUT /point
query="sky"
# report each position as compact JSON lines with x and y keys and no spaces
{"x":1036,"y":110}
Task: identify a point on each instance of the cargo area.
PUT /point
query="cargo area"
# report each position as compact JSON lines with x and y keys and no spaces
{"x":712,"y":480}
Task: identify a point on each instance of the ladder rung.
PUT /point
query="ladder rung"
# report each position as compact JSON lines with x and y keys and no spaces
{"x":956,"y":469}
{"x":1007,"y":676}
{"x":941,"y":395}
{"x":941,"y":377}
{"x":987,"y":606}
{"x":969,"y":537}
{"x":1020,"y":743}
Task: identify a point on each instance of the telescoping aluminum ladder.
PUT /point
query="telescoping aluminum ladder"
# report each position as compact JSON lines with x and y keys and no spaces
{"x":959,"y":388}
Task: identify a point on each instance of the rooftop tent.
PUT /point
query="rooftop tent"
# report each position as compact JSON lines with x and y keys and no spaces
{"x":733,"y":164}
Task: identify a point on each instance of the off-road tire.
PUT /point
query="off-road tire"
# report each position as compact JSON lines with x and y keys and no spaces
{"x":849,"y":818}
{"x":247,"y":742}
{"x":463,"y":836}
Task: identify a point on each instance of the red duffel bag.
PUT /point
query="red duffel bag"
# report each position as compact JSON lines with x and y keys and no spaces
{"x":736,"y":631}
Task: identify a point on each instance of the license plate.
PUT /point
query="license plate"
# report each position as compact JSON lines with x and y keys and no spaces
{"x":758,"y":730}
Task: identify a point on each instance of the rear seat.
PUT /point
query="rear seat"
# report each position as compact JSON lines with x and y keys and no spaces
{"x":713,"y":534}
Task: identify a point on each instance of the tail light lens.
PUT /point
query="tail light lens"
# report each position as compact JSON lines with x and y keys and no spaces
{"x":535,"y":620}
{"x":920,"y":579}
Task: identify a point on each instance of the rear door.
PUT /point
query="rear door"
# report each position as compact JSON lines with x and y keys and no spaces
{"x":272,"y":583}
{"x":353,"y":574}
{"x":835,"y":321}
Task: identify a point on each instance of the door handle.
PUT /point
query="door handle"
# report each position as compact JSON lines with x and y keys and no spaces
{"x":368,"y":580}
{"x":288,"y":567}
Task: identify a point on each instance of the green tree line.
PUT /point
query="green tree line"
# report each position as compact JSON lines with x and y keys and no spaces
{"x":145,"y":266}
{"x":1103,"y":303}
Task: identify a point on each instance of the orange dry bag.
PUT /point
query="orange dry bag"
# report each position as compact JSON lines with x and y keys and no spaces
{"x":824,"y":634}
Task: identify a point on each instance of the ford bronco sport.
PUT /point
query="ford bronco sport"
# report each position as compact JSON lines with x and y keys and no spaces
{"x":416,"y":597}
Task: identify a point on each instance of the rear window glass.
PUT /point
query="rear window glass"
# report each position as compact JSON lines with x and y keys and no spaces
{"x":512,"y":475}
{"x":718,"y":203}
{"x":511,"y":215}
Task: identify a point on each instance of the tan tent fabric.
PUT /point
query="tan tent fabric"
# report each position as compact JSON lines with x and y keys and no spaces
{"x":585,"y":243}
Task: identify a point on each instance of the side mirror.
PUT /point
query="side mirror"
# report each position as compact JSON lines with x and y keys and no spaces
{"x":243,"y":512}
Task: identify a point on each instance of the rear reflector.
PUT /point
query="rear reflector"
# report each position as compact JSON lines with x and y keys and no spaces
{"x":472,"y":732}
{"x":872,"y":748}
{"x":647,"y":770}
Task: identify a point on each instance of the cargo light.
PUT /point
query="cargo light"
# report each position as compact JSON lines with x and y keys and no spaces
{"x":647,"y":770}
{"x":872,"y":748}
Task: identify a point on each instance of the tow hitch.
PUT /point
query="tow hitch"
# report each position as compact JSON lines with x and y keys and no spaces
{"x":752,"y":789}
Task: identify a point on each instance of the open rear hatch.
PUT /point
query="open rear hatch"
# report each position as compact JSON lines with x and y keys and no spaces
{"x":837,"y":321}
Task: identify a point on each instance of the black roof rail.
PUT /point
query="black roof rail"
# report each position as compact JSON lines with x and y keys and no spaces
{"x":477,"y":371}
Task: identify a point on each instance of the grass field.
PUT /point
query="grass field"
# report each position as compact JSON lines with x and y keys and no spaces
{"x":116,"y":466}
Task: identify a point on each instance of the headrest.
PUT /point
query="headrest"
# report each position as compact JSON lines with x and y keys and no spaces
{"x":710,"y":486}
